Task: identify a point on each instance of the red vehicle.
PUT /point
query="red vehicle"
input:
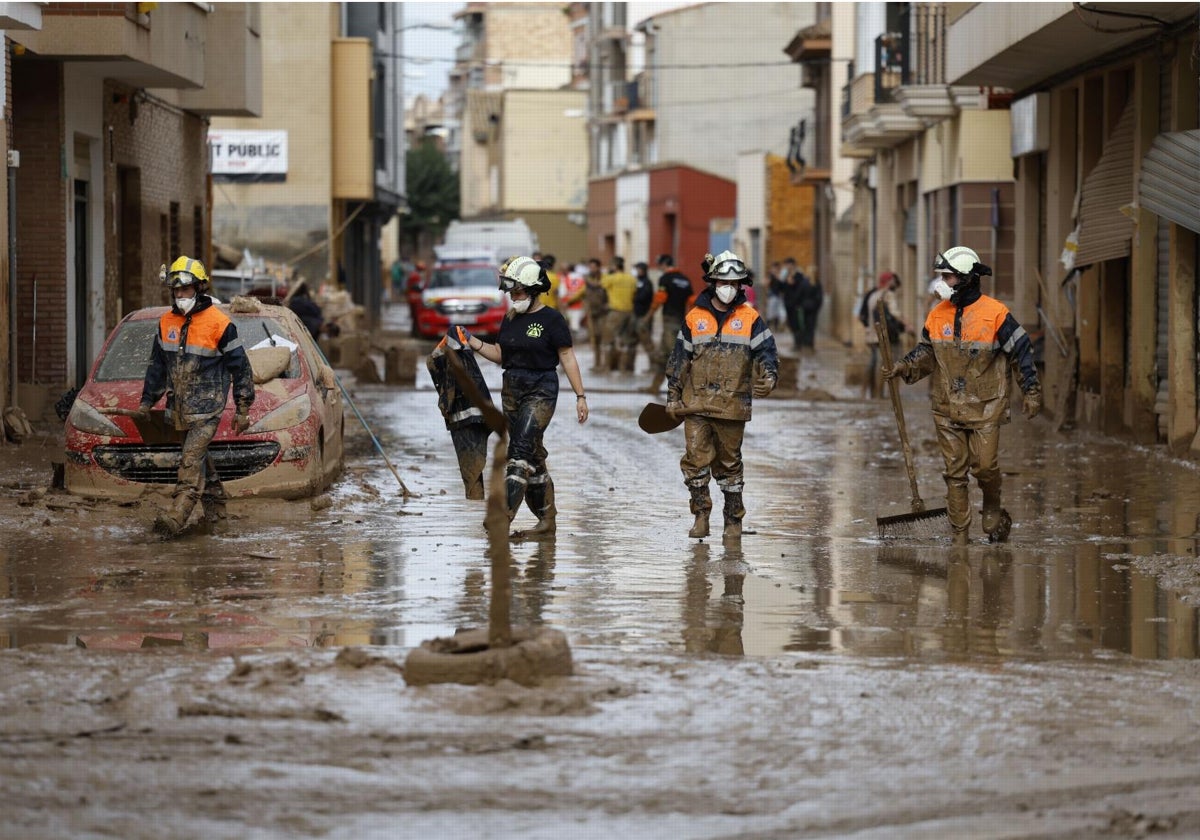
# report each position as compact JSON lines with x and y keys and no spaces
{"x":293,"y":447}
{"x":465,"y":294}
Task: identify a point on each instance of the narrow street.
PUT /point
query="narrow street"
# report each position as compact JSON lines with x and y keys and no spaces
{"x":860,"y":687}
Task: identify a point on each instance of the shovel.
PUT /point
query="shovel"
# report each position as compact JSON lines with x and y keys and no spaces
{"x":654,"y":418}
{"x":903,"y":523}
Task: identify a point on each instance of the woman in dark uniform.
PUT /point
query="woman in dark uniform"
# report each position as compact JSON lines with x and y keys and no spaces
{"x":534,"y":339}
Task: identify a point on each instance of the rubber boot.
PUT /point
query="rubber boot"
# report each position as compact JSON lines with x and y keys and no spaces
{"x":958,"y":508}
{"x":170,"y":523}
{"x":1003,"y":526}
{"x":213,"y":500}
{"x":701,"y":507}
{"x":516,"y":484}
{"x":539,"y":496}
{"x":733,"y":512}
{"x":656,"y":385}
{"x":991,"y":503}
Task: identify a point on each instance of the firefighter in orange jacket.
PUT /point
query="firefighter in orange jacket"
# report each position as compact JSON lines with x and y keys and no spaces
{"x":969,"y":343}
{"x":196,"y":356}
{"x":724,"y":356}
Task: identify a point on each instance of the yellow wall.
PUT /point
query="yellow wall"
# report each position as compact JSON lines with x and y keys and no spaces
{"x":353,"y":155}
{"x":545,"y":151}
{"x":789,"y":216}
{"x":984,"y":146}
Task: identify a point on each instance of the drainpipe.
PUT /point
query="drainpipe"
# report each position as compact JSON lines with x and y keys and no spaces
{"x":14,"y":161}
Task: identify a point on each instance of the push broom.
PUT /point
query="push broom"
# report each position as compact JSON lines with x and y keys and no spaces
{"x":920,"y":521}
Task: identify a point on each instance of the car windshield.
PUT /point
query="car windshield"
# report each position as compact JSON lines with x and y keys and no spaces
{"x":128,"y":355}
{"x":461,"y":278}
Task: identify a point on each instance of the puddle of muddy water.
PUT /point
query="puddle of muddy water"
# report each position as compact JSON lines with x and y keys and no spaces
{"x":377,"y":569}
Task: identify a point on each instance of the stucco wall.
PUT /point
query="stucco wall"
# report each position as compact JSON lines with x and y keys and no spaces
{"x":545,"y":151}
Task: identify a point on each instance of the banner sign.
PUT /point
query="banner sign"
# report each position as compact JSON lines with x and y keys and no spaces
{"x":248,"y":155}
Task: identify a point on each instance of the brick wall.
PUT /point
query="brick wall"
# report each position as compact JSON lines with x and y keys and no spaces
{"x":167,"y":148}
{"x":37,"y":131}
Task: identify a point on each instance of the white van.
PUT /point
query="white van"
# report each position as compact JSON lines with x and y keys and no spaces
{"x":502,"y":239}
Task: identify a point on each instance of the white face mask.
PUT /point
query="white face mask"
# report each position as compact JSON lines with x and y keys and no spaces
{"x":726,"y":294}
{"x":521,"y":306}
{"x":185,"y":305}
{"x":942,"y":289}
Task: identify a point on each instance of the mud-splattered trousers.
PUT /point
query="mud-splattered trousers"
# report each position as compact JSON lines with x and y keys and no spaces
{"x":529,"y":398}
{"x":968,"y":349}
{"x":712,"y":372}
{"x":195,"y":359}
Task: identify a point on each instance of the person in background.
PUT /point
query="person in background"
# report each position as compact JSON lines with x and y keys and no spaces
{"x":570,"y":283}
{"x":197,"y":355}
{"x":724,"y":357}
{"x":595,"y":305}
{"x":970,"y":346}
{"x":551,"y":297}
{"x":868,"y":316}
{"x":674,"y":291}
{"x":790,"y":281}
{"x":533,"y":342}
{"x":306,"y":309}
{"x":640,"y":325}
{"x":620,"y":286}
{"x":810,"y":297}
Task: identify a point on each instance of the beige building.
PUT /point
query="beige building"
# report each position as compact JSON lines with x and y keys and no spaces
{"x":1064,"y":149}
{"x":106,"y":114}
{"x":332,"y":103}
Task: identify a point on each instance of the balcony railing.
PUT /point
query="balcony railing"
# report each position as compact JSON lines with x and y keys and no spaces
{"x":891,"y":64}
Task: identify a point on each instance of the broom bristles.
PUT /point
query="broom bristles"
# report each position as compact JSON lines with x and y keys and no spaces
{"x":928,"y":523}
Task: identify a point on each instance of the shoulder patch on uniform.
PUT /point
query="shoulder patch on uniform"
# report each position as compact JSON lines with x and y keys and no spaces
{"x":701,"y":325}
{"x":947,"y":330}
{"x":736,"y":323}
{"x":172,"y":334}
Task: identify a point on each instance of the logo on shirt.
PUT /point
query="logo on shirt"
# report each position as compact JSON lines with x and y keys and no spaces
{"x":172,"y":334}
{"x":534,"y":331}
{"x":701,"y":325}
{"x":736,"y":323}
{"x":947,"y":331}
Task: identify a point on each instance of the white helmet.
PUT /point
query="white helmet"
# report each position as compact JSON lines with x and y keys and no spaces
{"x":727,"y":266}
{"x":958,"y":260}
{"x":524,"y":272}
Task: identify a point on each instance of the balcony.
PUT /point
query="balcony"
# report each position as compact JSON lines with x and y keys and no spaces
{"x":233,"y":65}
{"x":161,"y":48}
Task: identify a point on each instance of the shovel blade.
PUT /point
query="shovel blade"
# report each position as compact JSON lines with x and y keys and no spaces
{"x":654,"y":419}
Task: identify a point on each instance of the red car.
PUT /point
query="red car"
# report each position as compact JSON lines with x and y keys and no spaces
{"x":293,"y":447}
{"x":462,"y":294}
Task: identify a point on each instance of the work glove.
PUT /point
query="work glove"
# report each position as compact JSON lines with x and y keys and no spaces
{"x":241,"y":423}
{"x":464,"y":336}
{"x":1032,"y":404}
{"x":899,"y":369}
{"x":764,"y":386}
{"x":674,"y":408}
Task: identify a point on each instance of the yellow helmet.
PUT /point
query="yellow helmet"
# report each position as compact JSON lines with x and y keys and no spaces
{"x":185,"y":271}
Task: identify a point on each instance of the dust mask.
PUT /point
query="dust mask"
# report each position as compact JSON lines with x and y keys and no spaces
{"x":726,"y":294}
{"x":942,"y":289}
{"x":521,"y":306}
{"x":185,"y":305}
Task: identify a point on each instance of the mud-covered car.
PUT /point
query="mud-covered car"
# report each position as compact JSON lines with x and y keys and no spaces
{"x":293,"y":448}
{"x":461,"y":294}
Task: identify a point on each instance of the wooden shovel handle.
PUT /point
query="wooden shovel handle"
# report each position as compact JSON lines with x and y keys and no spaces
{"x":885,"y":356}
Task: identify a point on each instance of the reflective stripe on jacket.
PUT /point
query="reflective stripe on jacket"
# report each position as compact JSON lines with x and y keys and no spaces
{"x":194,"y":359}
{"x":968,"y":350}
{"x":713,"y":364}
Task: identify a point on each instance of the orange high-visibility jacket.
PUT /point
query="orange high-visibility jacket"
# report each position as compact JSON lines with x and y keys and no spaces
{"x":969,"y":350}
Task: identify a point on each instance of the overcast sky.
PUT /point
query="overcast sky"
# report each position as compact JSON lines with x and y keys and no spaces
{"x":429,"y":77}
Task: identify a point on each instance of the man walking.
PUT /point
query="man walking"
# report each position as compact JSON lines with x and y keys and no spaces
{"x":724,"y":357}
{"x":196,"y":356}
{"x":674,"y":292}
{"x":968,"y":345}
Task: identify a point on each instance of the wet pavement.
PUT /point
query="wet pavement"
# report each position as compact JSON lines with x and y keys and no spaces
{"x":1096,"y":522}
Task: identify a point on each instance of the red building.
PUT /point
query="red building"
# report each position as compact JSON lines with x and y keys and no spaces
{"x":683,"y":201}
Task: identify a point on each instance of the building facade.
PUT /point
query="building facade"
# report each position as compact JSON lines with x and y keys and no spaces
{"x":107,"y":106}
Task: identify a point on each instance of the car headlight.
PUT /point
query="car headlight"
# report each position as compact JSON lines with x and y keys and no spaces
{"x":292,"y":413}
{"x":86,"y":418}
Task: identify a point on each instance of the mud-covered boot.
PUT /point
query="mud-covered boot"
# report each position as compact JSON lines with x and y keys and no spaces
{"x":1000,"y":529}
{"x":539,"y":496}
{"x":213,"y":501}
{"x":170,"y":523}
{"x":701,"y":507}
{"x":733,"y":513}
{"x":516,"y":484}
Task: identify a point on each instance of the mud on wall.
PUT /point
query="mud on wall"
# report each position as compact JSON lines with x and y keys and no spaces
{"x":275,"y":232}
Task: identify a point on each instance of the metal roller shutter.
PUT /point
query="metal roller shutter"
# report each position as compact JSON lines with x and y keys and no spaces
{"x":1104,"y":231}
{"x":1170,"y":185}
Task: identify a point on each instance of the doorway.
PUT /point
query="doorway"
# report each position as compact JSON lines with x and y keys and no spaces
{"x":129,"y":238}
{"x":82,"y":282}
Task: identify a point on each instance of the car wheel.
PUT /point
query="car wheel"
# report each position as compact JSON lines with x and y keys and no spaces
{"x":316,"y":465}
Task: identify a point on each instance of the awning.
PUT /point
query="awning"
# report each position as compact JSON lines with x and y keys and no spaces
{"x":1170,"y":185}
{"x":1105,"y":232}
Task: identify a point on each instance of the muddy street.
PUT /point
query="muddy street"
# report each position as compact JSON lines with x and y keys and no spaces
{"x":809,"y":680}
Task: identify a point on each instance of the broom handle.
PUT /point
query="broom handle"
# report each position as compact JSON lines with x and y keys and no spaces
{"x":885,"y":355}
